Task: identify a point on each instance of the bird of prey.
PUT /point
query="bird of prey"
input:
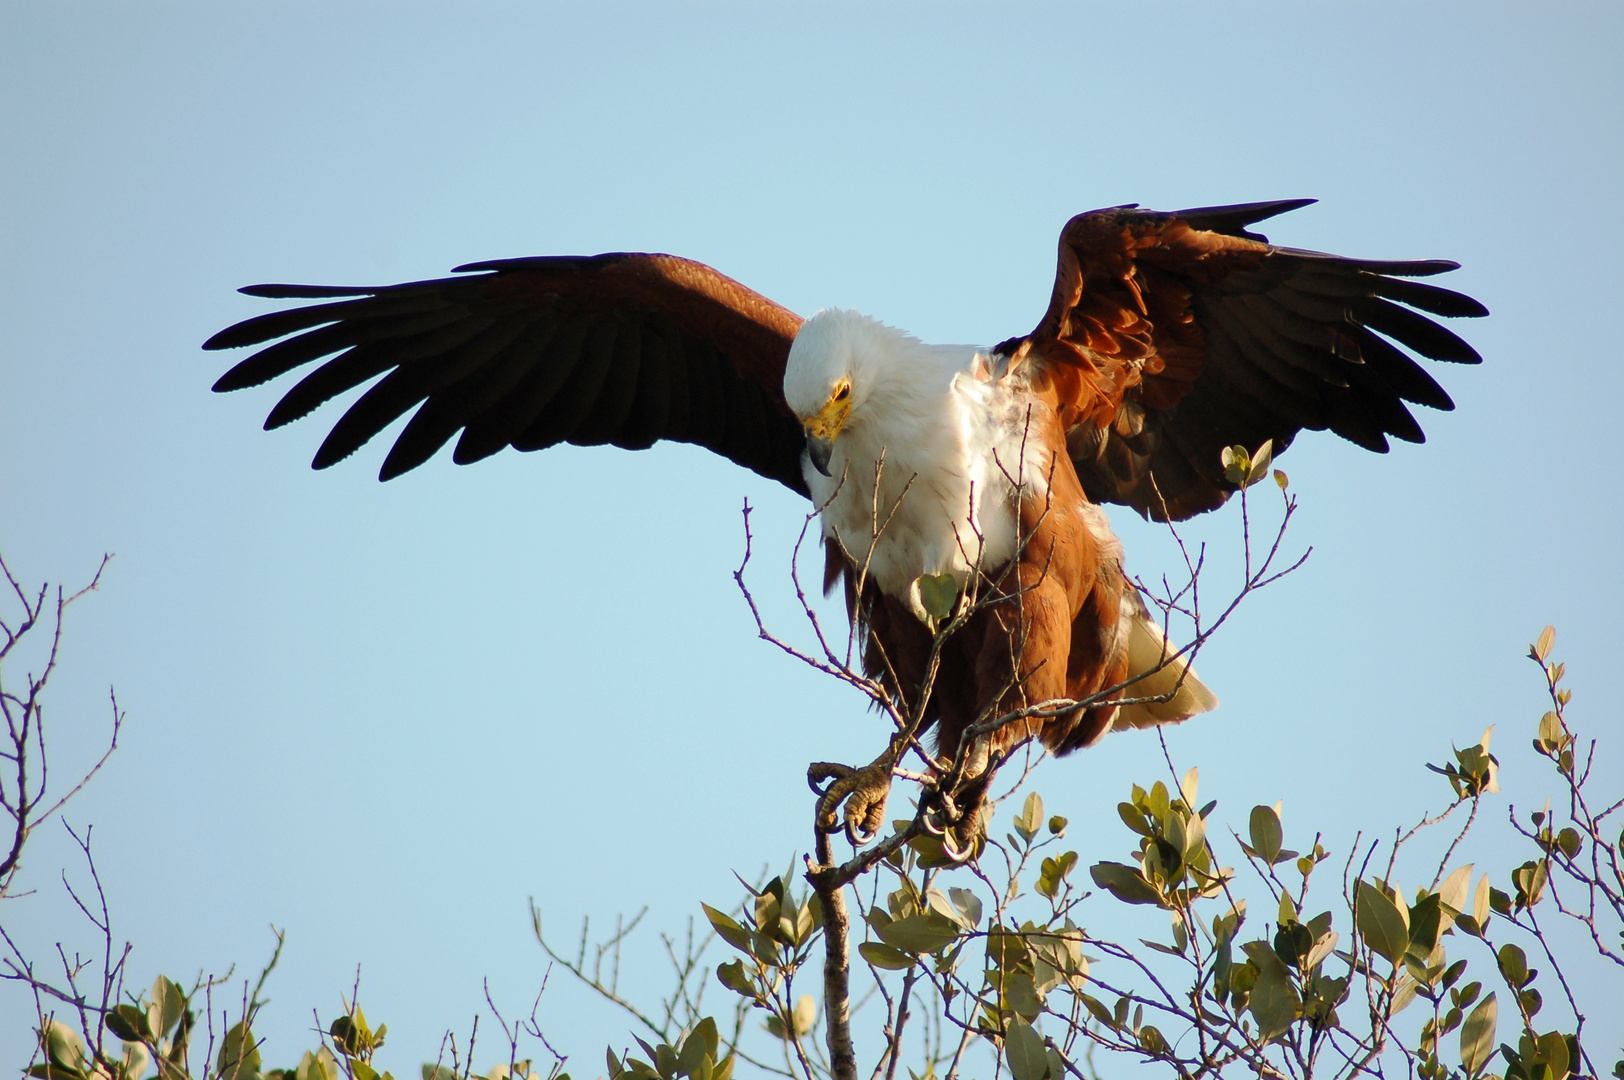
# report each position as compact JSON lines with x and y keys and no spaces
{"x":1168,"y":337}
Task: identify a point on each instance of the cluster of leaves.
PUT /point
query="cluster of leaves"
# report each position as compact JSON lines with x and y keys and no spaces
{"x":156,"y":1032}
{"x":1320,"y":987}
{"x":698,"y":1056}
{"x":1280,"y":1009}
{"x":773,"y":948}
{"x":990,"y":972}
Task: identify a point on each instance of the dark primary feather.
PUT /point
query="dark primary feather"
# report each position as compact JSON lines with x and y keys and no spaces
{"x":1288,"y":339}
{"x":621,"y":349}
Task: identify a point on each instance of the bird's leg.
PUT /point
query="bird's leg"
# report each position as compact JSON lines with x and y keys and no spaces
{"x":863,"y":790}
{"x":955,"y":807}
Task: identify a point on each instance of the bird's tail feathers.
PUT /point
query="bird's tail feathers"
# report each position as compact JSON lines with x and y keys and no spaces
{"x":1148,"y":651}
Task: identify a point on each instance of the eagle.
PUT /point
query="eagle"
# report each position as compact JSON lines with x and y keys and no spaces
{"x":935,"y":470}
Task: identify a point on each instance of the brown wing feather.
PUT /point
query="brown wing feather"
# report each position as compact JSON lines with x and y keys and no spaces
{"x":1172,"y":335}
{"x":623,"y":349}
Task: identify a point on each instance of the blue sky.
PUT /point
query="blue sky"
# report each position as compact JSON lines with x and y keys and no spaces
{"x":382,"y":716}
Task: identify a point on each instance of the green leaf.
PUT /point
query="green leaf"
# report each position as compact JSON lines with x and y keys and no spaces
{"x":1514,"y":965}
{"x":1030,"y":818}
{"x":1190,"y":786}
{"x":1133,"y":818}
{"x":1124,"y":883}
{"x":127,"y":1022}
{"x":697,"y":1048}
{"x":1403,"y":994}
{"x":732,"y":976}
{"x":321,"y":1065}
{"x":1266,"y":833}
{"x":1260,"y":462}
{"x":1274,"y":1000}
{"x":1097,"y":1008}
{"x":1480,"y":903}
{"x":926,"y":932}
{"x":767,"y":909}
{"x":931,"y":852}
{"x":1288,"y":909}
{"x":728,"y":929}
{"x":1384,"y":927}
{"x":1426,"y":925}
{"x":1292,"y":942}
{"x":694,"y":1050}
{"x":1195,"y":838}
{"x":1237,"y":464}
{"x":47,"y":1071}
{"x":1221,"y":966}
{"x":706,"y":1030}
{"x":1553,"y":1048}
{"x":1158,"y":802}
{"x":1007,"y":950}
{"x":351,"y":1034}
{"x":168,"y":1002}
{"x":239,"y":1053}
{"x":806,"y":920}
{"x":1045,"y":977}
{"x":63,"y":1047}
{"x":135,"y":1060}
{"x":1454,"y":892}
{"x":1323,"y":947}
{"x":968,"y":905}
{"x":1551,"y":736}
{"x":1530,"y":879}
{"x":1023,"y":1049}
{"x":1023,"y":997}
{"x":938,"y":594}
{"x":1053,"y":872}
{"x":884,"y":956}
{"x":806,"y":1014}
{"x":1542,"y":647}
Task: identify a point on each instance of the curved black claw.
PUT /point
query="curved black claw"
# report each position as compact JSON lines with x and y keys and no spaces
{"x":942,"y":816}
{"x":863,"y":792}
{"x":861,"y":839}
{"x":959,"y":855}
{"x":959,"y":823}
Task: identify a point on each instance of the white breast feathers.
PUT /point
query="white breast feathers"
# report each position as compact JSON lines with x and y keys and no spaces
{"x":946,"y":436}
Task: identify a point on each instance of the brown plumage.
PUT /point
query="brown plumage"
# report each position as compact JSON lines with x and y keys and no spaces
{"x":1168,"y":337}
{"x":1055,"y":638}
{"x":622,"y":349}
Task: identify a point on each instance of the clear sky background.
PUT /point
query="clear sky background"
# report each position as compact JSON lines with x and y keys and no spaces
{"x":382,"y":716}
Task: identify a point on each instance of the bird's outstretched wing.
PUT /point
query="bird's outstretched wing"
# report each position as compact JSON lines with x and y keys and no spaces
{"x":623,"y":349}
{"x":1172,"y":335}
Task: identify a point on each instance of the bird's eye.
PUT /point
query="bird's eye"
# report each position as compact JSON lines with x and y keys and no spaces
{"x":843,"y":391}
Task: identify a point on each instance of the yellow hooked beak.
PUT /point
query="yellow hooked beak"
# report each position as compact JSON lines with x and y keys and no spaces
{"x":823,"y":426}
